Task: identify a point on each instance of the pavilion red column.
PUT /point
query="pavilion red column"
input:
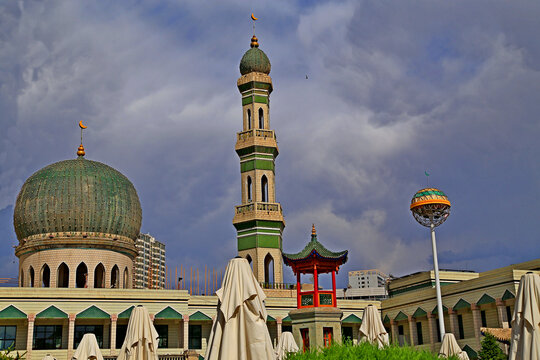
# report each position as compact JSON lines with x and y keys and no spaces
{"x":334,"y":301}
{"x":298,"y":288}
{"x":315,"y":286}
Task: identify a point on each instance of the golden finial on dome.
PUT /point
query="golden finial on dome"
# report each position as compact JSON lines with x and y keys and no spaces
{"x":313,"y":231}
{"x":80,"y":150}
{"x":254,"y":42}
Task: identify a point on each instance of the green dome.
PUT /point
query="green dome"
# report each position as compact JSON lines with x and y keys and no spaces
{"x":254,"y":60}
{"x":77,"y":195}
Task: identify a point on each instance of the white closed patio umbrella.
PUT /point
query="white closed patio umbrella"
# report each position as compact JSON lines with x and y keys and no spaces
{"x":450,"y":347}
{"x":372,"y":329}
{"x":88,"y":349}
{"x":48,"y":357}
{"x":285,"y":345}
{"x":525,"y":338}
{"x":141,"y":341}
{"x":239,"y":330}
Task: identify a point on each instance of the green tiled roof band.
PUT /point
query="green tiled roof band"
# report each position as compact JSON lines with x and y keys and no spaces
{"x":424,"y":193}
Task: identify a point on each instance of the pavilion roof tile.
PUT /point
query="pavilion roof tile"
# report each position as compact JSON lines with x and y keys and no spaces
{"x":315,"y":248}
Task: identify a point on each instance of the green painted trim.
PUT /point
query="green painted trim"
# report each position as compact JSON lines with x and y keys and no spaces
{"x":461,"y":304}
{"x":260,"y":156}
{"x":199,"y":316}
{"x":258,"y":164}
{"x":419,"y":313}
{"x":255,"y":85}
{"x":248,"y":242}
{"x":11,"y":312}
{"x":270,"y":318}
{"x":423,"y":285}
{"x":258,"y":230}
{"x":93,"y":312}
{"x":485,"y":299}
{"x":259,"y":223}
{"x":168,"y":313}
{"x":286,"y":319}
{"x":269,"y":241}
{"x":386,"y":319}
{"x":126,"y":313}
{"x":508,"y":295}
{"x":257,"y":149}
{"x":254,"y":99}
{"x":52,"y":312}
{"x":401,"y":316}
{"x":435,"y":310}
{"x":351,"y":319}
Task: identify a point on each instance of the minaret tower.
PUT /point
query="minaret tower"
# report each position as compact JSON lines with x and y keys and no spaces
{"x":259,"y":219}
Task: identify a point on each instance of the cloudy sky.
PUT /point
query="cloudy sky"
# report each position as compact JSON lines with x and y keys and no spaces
{"x":395,"y":88}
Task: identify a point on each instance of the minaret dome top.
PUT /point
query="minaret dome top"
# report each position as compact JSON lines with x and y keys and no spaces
{"x":254,"y":60}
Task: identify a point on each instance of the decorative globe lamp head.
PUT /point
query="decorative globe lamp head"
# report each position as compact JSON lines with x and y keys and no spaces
{"x":430,"y":206}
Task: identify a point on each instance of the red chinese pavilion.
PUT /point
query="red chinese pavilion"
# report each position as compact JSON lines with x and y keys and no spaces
{"x":315,"y":259}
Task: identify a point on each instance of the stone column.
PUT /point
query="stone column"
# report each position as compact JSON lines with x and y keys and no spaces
{"x":412,"y":331}
{"x":394,"y":328}
{"x":501,"y":311}
{"x":453,"y":323}
{"x":30,"y":336}
{"x":432,"y":329}
{"x":278,"y":322}
{"x":477,"y":322}
{"x":71,"y":334}
{"x":114,"y":321}
{"x":53,"y":278}
{"x":186,"y":332}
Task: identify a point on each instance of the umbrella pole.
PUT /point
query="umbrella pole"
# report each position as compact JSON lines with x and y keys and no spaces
{"x":440,"y":310}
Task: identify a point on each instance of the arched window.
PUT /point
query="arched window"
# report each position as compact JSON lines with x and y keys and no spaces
{"x":114,"y":277}
{"x":62,"y":276}
{"x":261,"y":118}
{"x":250,"y":261}
{"x":99,"y":276}
{"x":269,"y":269}
{"x":31,"y":271}
{"x":264,"y":188}
{"x":21,"y":278}
{"x":249,"y":190}
{"x":249,"y":119}
{"x":126,"y":278}
{"x":45,"y":276}
{"x":81,"y":278}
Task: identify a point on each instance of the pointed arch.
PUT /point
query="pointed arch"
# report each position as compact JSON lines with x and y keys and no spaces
{"x":99,"y":276}
{"x":21,"y":278}
{"x":115,"y":276}
{"x":62,"y":276}
{"x":249,"y":189}
{"x":264,"y":188}
{"x":126,"y":278}
{"x":261,"y":118}
{"x":45,"y":276}
{"x":269,"y":269}
{"x":32,"y":276}
{"x":81,"y":276}
{"x":249,"y":119}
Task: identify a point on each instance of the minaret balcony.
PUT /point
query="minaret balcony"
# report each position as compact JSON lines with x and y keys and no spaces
{"x":258,"y":211}
{"x":256,"y":137}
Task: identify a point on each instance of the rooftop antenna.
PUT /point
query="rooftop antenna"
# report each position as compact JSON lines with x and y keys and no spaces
{"x":80,"y":150}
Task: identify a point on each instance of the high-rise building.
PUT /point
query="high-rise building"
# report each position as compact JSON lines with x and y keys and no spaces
{"x":365,"y":284}
{"x":150,"y":263}
{"x":259,"y":219}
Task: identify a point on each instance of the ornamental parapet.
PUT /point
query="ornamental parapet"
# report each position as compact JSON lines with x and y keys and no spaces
{"x":258,"y":211}
{"x":256,"y":137}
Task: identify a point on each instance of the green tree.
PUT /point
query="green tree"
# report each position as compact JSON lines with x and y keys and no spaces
{"x":490,"y":349}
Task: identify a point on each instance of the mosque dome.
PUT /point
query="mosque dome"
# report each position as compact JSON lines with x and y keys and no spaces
{"x":254,"y":60}
{"x":77,"y":196}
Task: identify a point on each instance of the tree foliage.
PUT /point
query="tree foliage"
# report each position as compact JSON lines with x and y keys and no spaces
{"x":490,"y":349}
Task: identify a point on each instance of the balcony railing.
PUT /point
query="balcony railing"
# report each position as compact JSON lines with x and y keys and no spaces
{"x":258,"y":206}
{"x":278,"y":286}
{"x":261,"y":133}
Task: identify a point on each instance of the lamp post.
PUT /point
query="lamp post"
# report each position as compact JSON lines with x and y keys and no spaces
{"x":431,"y":207}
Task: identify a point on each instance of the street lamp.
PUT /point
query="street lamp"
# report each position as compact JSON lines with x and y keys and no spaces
{"x":430,"y":208}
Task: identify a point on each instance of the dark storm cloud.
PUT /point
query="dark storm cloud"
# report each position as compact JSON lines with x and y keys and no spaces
{"x":394,"y":88}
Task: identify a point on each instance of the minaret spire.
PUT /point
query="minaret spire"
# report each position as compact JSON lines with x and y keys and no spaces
{"x":80,"y":150}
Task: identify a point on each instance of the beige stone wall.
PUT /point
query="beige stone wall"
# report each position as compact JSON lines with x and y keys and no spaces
{"x":258,"y":255}
{"x":72,"y":258}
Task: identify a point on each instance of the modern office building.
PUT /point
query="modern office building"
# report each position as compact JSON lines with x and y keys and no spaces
{"x":365,"y":284}
{"x":150,"y":263}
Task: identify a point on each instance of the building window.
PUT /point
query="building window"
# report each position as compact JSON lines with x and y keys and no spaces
{"x":346,"y":333}
{"x":195,"y":337}
{"x":120,"y":335}
{"x":419,"y":333}
{"x":45,"y":276}
{"x":327,"y":336}
{"x":261,"y":118}
{"x":483,"y":317}
{"x":305,"y":339}
{"x":47,"y":337}
{"x":81,"y":276}
{"x":249,"y":191}
{"x":509,"y":316}
{"x":7,"y":336}
{"x":438,"y":330}
{"x":163,"y":336}
{"x":249,"y":119}
{"x":80,"y":330}
{"x":264,"y":188}
{"x":460,"y":326}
